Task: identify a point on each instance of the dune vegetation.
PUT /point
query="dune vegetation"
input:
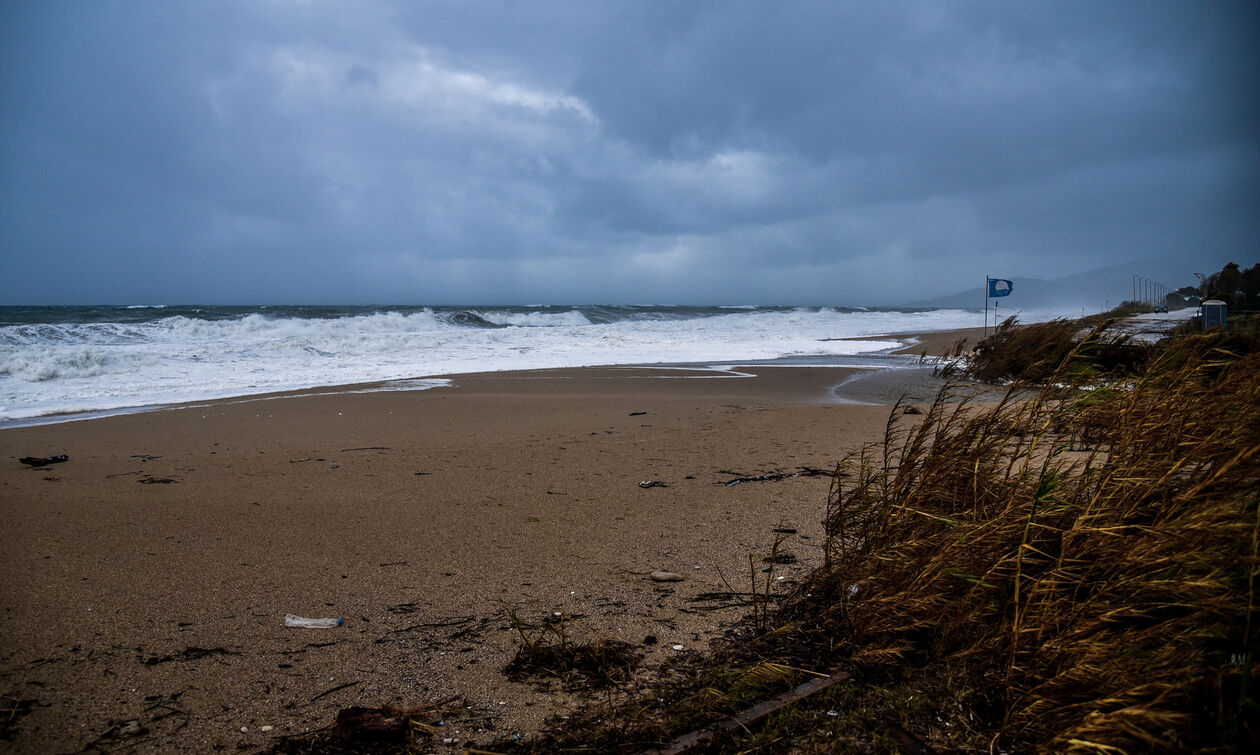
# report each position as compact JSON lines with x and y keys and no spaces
{"x":1066,"y":566}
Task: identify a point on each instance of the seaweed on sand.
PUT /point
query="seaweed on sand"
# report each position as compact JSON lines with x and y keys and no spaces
{"x":547,"y":653}
{"x":385,"y":729}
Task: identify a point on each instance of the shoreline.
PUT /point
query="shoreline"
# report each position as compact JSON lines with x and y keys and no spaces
{"x":932,"y":344}
{"x":153,"y":570}
{"x":86,"y":361}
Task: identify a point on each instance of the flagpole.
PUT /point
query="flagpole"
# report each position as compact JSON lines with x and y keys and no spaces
{"x":986,"y":306}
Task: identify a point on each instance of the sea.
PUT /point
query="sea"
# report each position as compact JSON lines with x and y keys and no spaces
{"x":60,"y":363}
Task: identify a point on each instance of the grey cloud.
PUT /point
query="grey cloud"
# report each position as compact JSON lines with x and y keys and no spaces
{"x":503,"y":151}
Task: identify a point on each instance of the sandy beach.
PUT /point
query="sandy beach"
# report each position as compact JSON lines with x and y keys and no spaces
{"x":148,"y":577}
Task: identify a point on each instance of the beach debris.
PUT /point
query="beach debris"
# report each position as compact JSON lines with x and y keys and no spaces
{"x":552,"y":656}
{"x":453,"y":621}
{"x":666,"y":576}
{"x":43,"y":461}
{"x":652,"y":484}
{"x":549,"y":653}
{"x":722,"y":600}
{"x":751,"y":716}
{"x":151,"y":480}
{"x":359,"y":729}
{"x":189,"y":653}
{"x":114,"y":734}
{"x":780,"y":557}
{"x":775,"y":476}
{"x":297,"y":621}
{"x":637,"y":414}
{"x":678,"y":648}
{"x":331,"y":690}
{"x":13,"y":709}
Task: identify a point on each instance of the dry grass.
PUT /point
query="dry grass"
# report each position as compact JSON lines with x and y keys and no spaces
{"x":1034,"y":353}
{"x":1103,"y":598}
{"x":1060,"y":570}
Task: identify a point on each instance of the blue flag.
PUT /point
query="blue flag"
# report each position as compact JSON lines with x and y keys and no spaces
{"x":1000,"y":287}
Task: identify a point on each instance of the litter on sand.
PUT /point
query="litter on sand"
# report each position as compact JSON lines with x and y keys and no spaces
{"x":297,"y":621}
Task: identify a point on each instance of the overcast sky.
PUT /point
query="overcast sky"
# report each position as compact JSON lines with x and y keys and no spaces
{"x":268,"y":151}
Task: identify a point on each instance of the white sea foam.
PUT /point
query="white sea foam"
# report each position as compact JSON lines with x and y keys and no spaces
{"x":535,"y":319}
{"x":57,"y":367}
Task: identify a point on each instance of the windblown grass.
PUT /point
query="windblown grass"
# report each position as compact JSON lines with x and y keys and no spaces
{"x":1060,"y":570}
{"x":1104,"y":598}
{"x":1037,"y":351}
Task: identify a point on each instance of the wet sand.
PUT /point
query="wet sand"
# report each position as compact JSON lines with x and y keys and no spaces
{"x":147,"y":578}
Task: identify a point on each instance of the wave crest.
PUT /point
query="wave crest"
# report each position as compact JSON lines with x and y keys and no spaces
{"x":567,"y":318}
{"x":57,"y":364}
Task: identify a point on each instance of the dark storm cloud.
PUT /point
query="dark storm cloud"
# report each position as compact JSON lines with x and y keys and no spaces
{"x":497,"y":151}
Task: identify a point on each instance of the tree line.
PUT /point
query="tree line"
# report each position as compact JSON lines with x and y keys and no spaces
{"x":1236,"y":287}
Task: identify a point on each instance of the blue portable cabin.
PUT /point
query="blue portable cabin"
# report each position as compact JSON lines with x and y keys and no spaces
{"x":1212,"y":313}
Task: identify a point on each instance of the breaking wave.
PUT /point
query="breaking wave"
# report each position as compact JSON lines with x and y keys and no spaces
{"x":58,"y":359}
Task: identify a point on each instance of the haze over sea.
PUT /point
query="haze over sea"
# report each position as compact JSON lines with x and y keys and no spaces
{"x":58,"y":362}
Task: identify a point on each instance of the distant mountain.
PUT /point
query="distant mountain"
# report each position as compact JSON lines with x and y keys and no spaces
{"x":1093,"y":291}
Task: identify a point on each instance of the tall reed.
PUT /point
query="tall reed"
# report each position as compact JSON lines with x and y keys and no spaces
{"x":1107,"y":593}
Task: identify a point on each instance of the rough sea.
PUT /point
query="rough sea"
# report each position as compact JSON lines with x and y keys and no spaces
{"x":61,"y":362}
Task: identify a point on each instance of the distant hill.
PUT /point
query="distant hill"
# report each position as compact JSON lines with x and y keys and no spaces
{"x":1094,"y":290}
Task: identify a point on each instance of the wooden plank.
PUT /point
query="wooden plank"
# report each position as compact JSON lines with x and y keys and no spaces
{"x":747,"y":718}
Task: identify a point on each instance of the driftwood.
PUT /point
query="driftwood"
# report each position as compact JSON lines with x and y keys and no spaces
{"x":42,"y":461}
{"x":331,"y":690}
{"x":747,"y":718}
{"x":454,"y":621}
{"x":776,"y":476}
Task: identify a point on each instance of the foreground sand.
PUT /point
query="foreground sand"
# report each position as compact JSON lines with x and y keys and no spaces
{"x":147,"y":578}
